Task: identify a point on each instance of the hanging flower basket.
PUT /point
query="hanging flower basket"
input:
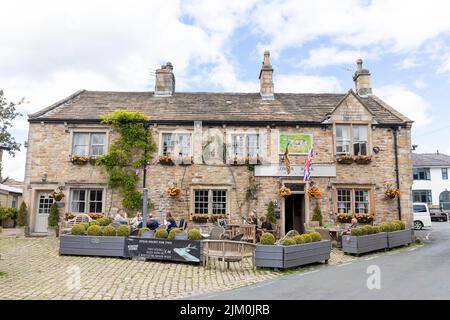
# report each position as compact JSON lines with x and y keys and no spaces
{"x":392,"y":193}
{"x":166,"y":161}
{"x":284,"y":192}
{"x":79,"y":159}
{"x":173,"y":191}
{"x":215,"y":217}
{"x":345,"y":159}
{"x":200,"y":218}
{"x":57,"y":195}
{"x":363,"y":159}
{"x":314,"y":192}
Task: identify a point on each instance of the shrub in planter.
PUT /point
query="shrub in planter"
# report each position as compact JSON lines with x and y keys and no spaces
{"x":78,"y":230}
{"x":194,"y":234}
{"x":104,"y":221}
{"x":94,"y":230}
{"x":142,"y":230}
{"x":385,"y":227}
{"x":288,"y":242}
{"x":307,"y":237}
{"x":22,"y":215}
{"x":376,"y":229}
{"x":356,"y":232}
{"x":173,"y":232}
{"x":109,"y":231}
{"x":299,"y":239}
{"x":85,"y":224}
{"x":94,"y":223}
{"x":317,"y":215}
{"x":401,"y":224}
{"x":315,"y":236}
{"x":267,"y":238}
{"x":123,"y":231}
{"x":161,"y":234}
{"x":367,"y":229}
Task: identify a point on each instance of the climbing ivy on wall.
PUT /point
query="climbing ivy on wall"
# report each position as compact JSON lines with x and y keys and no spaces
{"x":134,"y":148}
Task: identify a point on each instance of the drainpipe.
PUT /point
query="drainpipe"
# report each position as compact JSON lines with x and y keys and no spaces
{"x":397,"y":174}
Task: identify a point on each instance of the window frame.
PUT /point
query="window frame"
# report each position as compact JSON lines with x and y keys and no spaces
{"x":174,"y":135}
{"x":90,"y":131}
{"x":351,"y":138}
{"x":87,"y":199}
{"x":444,"y":176}
{"x":429,"y":195}
{"x":427,"y":174}
{"x":245,"y":145}
{"x":210,"y":190}
{"x":353,"y":189}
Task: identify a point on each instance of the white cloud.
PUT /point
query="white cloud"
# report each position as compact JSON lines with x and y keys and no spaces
{"x":408,"y":103}
{"x":420,"y":84}
{"x":328,"y":56}
{"x":306,"y":84}
{"x":408,"y":63}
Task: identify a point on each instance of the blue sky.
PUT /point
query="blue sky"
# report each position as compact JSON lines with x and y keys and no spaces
{"x":218,"y":46}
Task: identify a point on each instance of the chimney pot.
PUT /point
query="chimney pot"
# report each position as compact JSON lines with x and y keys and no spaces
{"x":266,"y":78}
{"x":165,"y":81}
{"x":362,"y":79}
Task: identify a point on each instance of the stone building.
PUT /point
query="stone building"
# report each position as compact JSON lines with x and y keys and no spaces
{"x":216,"y":134}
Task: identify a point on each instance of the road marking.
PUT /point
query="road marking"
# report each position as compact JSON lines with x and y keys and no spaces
{"x":370,"y":258}
{"x":309,"y":272}
{"x":344,"y":264}
{"x":428,"y":235}
{"x":412,"y":249}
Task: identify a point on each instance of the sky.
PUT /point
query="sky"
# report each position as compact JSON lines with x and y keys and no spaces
{"x":50,"y":49}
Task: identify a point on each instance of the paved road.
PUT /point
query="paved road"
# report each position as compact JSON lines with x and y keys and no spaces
{"x":416,"y":273}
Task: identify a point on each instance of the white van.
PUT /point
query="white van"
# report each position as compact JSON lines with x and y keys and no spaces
{"x":422,"y":217}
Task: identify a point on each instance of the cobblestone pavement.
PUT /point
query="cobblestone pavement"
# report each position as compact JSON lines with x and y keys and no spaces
{"x":30,"y":268}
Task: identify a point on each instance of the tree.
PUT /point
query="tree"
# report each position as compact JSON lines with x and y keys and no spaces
{"x":8,"y":113}
{"x":53,"y":217}
{"x":22,"y":215}
{"x":271,"y":213}
{"x":317,"y":214}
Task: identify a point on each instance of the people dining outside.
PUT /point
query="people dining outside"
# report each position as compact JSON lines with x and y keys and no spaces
{"x":134,"y":222}
{"x":354,"y":224}
{"x":252,"y":219}
{"x":152,"y":222}
{"x":121,"y":217}
{"x":170,"y":222}
{"x":266,"y":224}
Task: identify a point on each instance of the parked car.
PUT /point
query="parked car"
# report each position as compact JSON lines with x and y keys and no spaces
{"x":438,"y":215}
{"x":422,"y":217}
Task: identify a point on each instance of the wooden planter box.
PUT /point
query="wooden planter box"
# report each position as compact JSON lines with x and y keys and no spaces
{"x":278,"y":256}
{"x":363,"y":244}
{"x":399,"y":238}
{"x":92,"y":246}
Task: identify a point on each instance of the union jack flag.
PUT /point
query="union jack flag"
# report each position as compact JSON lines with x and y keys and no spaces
{"x":308,"y":165}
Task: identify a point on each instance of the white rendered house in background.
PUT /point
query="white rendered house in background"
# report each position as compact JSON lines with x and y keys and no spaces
{"x":431,"y":179}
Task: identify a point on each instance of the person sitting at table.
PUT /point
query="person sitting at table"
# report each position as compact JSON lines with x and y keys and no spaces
{"x":171,"y":223}
{"x":121,"y":217}
{"x":354,"y":224}
{"x":152,"y":222}
{"x":252,"y":219}
{"x":136,"y":220}
{"x":266,"y":224}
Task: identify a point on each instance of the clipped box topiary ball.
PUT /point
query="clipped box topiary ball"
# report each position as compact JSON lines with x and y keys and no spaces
{"x":141,"y":230}
{"x":94,"y":230}
{"x":356,"y":232}
{"x":173,"y":232}
{"x":299,"y":239}
{"x":161,"y":234}
{"x":194,"y":234}
{"x":94,"y":223}
{"x":85,"y":224}
{"x":376,"y":229}
{"x":267,"y":238}
{"x":307,"y":237}
{"x":315,"y":236}
{"x":78,"y":230}
{"x":123,"y":231}
{"x":109,"y":231}
{"x":288,"y":242}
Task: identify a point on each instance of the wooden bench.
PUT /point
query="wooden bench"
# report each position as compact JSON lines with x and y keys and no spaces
{"x":227,"y":251}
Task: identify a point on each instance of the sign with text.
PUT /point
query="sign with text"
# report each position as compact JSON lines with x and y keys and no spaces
{"x":277,"y":170}
{"x":163,"y":249}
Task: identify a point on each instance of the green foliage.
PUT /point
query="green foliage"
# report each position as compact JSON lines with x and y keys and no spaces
{"x":109,"y":231}
{"x":161,"y":234}
{"x":315,"y":236}
{"x":141,"y":230}
{"x":133,"y":149}
{"x":307,"y":237}
{"x":288,"y":242}
{"x":7,"y":114}
{"x":1,"y":229}
{"x":356,"y":232}
{"x":194,"y":234}
{"x":376,"y":229}
{"x":85,"y":224}
{"x":271,"y":213}
{"x":317,"y":214}
{"x":385,"y":227}
{"x":123,"y":231}
{"x":22,"y":216}
{"x":104,"y":221}
{"x":173,"y":232}
{"x":94,"y":223}
{"x":267,"y":238}
{"x":94,"y":230}
{"x":53,"y":217}
{"x":367,"y":229}
{"x":78,"y":230}
{"x":8,"y":213}
{"x":299,"y":239}
{"x":399,"y":225}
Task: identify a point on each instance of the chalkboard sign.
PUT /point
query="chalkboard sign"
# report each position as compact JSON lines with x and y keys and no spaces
{"x":164,"y":249}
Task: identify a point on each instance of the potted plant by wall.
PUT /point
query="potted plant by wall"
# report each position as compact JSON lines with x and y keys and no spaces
{"x":397,"y":234}
{"x":79,"y":159}
{"x":364,"y":239}
{"x":363,"y":159}
{"x":200,"y":218}
{"x":345,"y":159}
{"x":94,"y":240}
{"x":292,"y":252}
{"x":284,"y":192}
{"x":166,"y":161}
{"x":8,"y":217}
{"x":362,"y":217}
{"x":173,"y":191}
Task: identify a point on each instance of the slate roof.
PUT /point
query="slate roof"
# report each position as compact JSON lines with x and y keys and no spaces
{"x":214,"y":107}
{"x":430,"y":160}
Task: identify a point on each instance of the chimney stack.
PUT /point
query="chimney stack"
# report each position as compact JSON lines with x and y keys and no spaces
{"x":266,"y":78}
{"x":165,"y":81}
{"x":362,"y":80}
